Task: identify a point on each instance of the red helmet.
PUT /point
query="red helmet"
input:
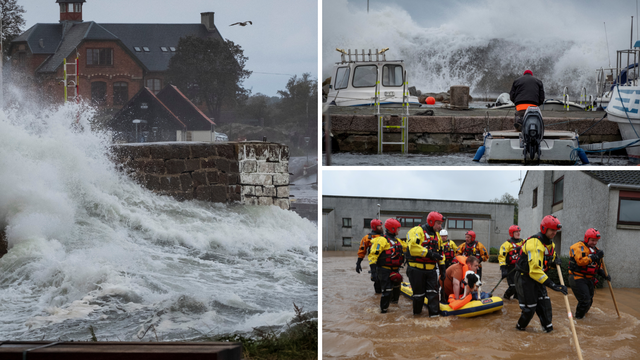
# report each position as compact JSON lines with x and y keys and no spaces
{"x":550,"y":222}
{"x":375,"y":223}
{"x":392,"y":225}
{"x":472,"y":234}
{"x":513,"y":228}
{"x":592,"y":233}
{"x":433,"y":217}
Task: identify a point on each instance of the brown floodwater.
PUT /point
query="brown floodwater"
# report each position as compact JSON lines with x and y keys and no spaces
{"x":354,"y":328}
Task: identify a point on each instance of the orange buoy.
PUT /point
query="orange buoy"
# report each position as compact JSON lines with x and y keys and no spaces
{"x":430,"y":100}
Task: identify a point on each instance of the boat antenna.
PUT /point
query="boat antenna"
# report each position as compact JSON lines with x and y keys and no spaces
{"x":631,"y":40}
{"x":607,"y":39}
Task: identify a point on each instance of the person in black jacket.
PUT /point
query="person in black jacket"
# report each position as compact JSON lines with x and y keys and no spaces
{"x":526,"y":91}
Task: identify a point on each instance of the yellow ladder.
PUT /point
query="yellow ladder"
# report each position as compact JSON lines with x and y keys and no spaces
{"x":404,"y":122}
{"x":70,"y":79}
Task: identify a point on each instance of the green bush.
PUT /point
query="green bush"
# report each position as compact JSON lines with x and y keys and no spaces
{"x":493,"y":251}
{"x":493,"y":258}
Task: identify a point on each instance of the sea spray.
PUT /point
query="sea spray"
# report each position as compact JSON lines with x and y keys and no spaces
{"x":90,"y":247}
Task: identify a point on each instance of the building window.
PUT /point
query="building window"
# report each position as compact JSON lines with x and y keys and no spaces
{"x":173,"y":49}
{"x":342,"y":78}
{"x":146,"y":49}
{"x":629,"y":208}
{"x":120,"y":93}
{"x":63,"y":8}
{"x":164,"y":48}
{"x":346,"y":242}
{"x":78,"y":7}
{"x":365,"y":76}
{"x":558,"y":186}
{"x":367,"y":223}
{"x":154,"y":85}
{"x":22,"y":58}
{"x":346,"y":222}
{"x":98,"y":92}
{"x":137,"y":48}
{"x":534,"y":202}
{"x":99,"y":57}
{"x":392,"y":75}
{"x":460,"y":224}
{"x":409,"y":221}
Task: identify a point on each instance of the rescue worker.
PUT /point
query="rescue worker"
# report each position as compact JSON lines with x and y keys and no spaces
{"x":454,"y":280}
{"x":449,"y":248}
{"x":387,"y":252}
{"x":538,"y":254}
{"x":525,"y":91}
{"x":475,"y":248}
{"x":584,"y":264}
{"x":424,"y":254}
{"x":365,"y":246}
{"x":508,"y":256}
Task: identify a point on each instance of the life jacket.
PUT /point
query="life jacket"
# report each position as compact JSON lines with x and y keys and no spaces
{"x":522,"y":264}
{"x":513,"y":255}
{"x":473,"y":250}
{"x":448,"y":252}
{"x":392,"y":257}
{"x":430,"y":243}
{"x":588,"y":271}
{"x":457,"y":304}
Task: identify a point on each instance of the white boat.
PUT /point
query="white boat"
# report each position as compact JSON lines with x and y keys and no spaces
{"x":624,"y":106}
{"x":358,"y":77}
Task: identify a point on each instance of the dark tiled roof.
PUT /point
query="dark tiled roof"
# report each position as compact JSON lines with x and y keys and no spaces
{"x":130,"y":107}
{"x":49,"y":33}
{"x":187,"y":111}
{"x":154,"y":36}
{"x":70,"y":42}
{"x":628,"y":177}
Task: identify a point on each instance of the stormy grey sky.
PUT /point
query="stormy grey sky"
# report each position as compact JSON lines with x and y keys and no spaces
{"x":278,"y":44}
{"x":470,"y":185}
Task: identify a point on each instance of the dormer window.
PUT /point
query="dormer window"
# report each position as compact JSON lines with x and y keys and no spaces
{"x":137,"y":48}
{"x":173,"y":49}
{"x":146,"y":49}
{"x":164,"y":48}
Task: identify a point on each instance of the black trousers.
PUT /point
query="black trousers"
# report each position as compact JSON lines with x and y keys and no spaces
{"x":519,"y":115}
{"x":583,"y":289}
{"x":390,"y":290}
{"x":511,"y":280}
{"x":374,"y":278}
{"x":424,"y":283}
{"x":479,"y":272}
{"x":533,"y":299}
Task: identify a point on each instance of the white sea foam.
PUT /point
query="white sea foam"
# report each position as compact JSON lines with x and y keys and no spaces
{"x":88,"y":246}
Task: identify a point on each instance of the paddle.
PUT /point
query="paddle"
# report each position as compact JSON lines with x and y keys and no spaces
{"x":610,"y":288}
{"x":573,"y":327}
{"x":491,"y":293}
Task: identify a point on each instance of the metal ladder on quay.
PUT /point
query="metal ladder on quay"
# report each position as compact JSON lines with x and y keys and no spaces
{"x":404,"y":119}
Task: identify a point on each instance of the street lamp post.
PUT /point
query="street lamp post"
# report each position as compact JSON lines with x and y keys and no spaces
{"x":306,"y":140}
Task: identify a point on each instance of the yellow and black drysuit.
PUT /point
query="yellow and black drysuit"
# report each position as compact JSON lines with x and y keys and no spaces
{"x":424,"y":254}
{"x":476,"y":249}
{"x":584,"y":265}
{"x":365,"y":246}
{"x":449,"y":249}
{"x":508,"y":256}
{"x":538,"y":253}
{"x":387,"y":252}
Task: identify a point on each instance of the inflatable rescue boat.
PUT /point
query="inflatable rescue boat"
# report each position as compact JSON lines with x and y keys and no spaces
{"x":473,"y":308}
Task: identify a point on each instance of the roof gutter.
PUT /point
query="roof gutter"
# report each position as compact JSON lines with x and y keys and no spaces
{"x":623,"y":186}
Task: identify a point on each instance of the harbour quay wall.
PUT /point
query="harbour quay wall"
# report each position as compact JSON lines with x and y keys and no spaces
{"x":251,"y":173}
{"x":427,"y":134}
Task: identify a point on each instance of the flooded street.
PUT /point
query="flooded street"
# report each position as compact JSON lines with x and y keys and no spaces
{"x":354,"y":328}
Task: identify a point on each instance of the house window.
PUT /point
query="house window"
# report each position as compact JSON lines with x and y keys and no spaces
{"x":146,"y":49}
{"x":629,"y":208}
{"x":63,"y":8}
{"x":22,"y":58}
{"x":534,"y":202}
{"x":346,"y":222}
{"x":173,"y":49}
{"x":98,"y":92}
{"x":154,"y":85}
{"x":409,"y":221}
{"x":164,"y":48}
{"x":365,"y":76}
{"x":460,"y":224}
{"x":78,"y":7}
{"x":346,"y":242}
{"x":367,"y":223}
{"x":342,"y":78}
{"x":558,"y":186}
{"x":392,"y":75}
{"x":120,"y":93}
{"x":99,"y":57}
{"x":137,"y":48}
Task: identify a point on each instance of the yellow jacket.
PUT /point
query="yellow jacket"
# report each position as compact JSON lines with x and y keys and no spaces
{"x":365,"y":244}
{"x":380,"y":244}
{"x":535,"y":252}
{"x":506,"y":247}
{"x":415,"y":238}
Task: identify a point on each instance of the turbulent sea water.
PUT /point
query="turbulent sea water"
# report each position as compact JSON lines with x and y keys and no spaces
{"x":90,"y":247}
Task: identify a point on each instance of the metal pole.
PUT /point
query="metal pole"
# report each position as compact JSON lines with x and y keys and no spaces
{"x":327,"y":135}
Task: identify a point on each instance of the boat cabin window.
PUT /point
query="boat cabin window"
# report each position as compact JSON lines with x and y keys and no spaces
{"x":365,"y":76}
{"x":392,"y":75}
{"x":342,"y":78}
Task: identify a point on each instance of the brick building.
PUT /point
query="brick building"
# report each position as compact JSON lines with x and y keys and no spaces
{"x":115,"y":61}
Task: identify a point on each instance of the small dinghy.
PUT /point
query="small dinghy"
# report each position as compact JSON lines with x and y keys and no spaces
{"x":473,"y":308}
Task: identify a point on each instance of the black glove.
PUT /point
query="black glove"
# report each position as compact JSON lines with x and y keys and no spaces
{"x":443,"y":273}
{"x":358,"y":267}
{"x":594,"y":258}
{"x":555,"y":287}
{"x":434,"y":255}
{"x":558,"y":261}
{"x":504,"y":271}
{"x":602,"y":274}
{"x":600,"y":254}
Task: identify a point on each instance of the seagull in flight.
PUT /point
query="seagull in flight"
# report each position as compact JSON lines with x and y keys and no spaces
{"x":242,"y":23}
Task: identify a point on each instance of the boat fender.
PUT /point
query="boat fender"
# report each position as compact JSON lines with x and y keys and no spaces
{"x":583,"y":156}
{"x":479,"y":153}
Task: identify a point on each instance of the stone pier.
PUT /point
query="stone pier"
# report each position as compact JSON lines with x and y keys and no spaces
{"x":252,"y":173}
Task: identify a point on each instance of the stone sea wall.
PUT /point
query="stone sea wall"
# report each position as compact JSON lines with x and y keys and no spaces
{"x":252,"y":173}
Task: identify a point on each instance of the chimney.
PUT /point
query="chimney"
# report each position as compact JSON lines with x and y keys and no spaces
{"x":71,"y":10}
{"x":206,"y":19}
